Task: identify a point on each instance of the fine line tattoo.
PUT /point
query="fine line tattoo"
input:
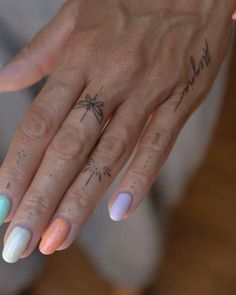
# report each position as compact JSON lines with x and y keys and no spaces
{"x":91,"y":104}
{"x":95,"y":172}
{"x":196,"y":69}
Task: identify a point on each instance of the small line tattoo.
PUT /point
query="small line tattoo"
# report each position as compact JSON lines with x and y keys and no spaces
{"x":196,"y":69}
{"x":91,"y":104}
{"x":8,"y":185}
{"x":95,"y":172}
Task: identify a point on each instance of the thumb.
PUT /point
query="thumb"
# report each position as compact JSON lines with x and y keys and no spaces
{"x":38,"y":57}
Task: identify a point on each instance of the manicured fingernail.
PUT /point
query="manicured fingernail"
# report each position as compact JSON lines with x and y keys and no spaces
{"x":54,"y":236}
{"x":120,"y":206}
{"x":5,"y":205}
{"x":16,"y":244}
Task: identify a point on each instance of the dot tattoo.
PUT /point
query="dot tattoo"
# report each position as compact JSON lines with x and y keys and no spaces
{"x":197,"y":69}
{"x":95,"y":172}
{"x":8,"y":185}
{"x":133,"y":184}
{"x":91,"y":104}
{"x":20,"y":156}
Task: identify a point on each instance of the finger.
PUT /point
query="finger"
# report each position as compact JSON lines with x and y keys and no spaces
{"x":110,"y":154}
{"x":152,"y":151}
{"x":34,"y":134}
{"x":35,"y":60}
{"x":62,"y":160}
{"x":234,"y":16}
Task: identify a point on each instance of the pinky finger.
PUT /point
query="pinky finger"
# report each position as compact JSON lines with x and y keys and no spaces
{"x":152,"y":151}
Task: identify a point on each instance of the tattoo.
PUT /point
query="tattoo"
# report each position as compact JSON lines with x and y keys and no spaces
{"x":91,"y":104}
{"x":197,"y":69}
{"x":20,"y":156}
{"x":133,"y":184}
{"x":8,"y":185}
{"x":95,"y":172}
{"x":29,"y":215}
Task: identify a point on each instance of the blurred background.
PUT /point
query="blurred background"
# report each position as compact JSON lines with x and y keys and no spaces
{"x":199,"y":254}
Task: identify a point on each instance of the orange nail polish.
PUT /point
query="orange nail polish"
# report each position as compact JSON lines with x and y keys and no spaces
{"x":54,"y":236}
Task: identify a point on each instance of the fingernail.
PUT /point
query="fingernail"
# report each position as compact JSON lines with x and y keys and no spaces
{"x":54,"y":236}
{"x":120,"y":206}
{"x":16,"y":244}
{"x":5,"y":205}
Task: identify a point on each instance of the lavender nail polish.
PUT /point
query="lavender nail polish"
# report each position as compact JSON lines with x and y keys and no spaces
{"x":120,"y":206}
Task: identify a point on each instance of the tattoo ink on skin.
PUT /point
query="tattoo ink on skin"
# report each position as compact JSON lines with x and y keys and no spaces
{"x":95,"y":172}
{"x":8,"y":185}
{"x":20,"y":156}
{"x":197,"y":69}
{"x":91,"y":104}
{"x":132,"y":186}
{"x":29,"y":215}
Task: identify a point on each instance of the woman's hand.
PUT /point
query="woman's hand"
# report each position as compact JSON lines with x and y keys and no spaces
{"x":116,"y":67}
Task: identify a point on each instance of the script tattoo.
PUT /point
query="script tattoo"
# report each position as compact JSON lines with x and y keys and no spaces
{"x":197,"y":68}
{"x":91,"y":104}
{"x":95,"y":172}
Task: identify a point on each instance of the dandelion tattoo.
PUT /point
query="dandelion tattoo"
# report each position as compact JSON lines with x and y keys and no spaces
{"x":91,"y":104}
{"x":197,"y":69}
{"x":95,"y":172}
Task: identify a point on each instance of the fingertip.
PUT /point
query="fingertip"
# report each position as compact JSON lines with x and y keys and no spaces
{"x":54,"y":236}
{"x":120,"y":206}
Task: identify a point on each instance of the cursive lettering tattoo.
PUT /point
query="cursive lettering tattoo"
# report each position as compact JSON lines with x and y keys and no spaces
{"x":91,"y":104}
{"x":197,"y":68}
{"x":95,"y":172}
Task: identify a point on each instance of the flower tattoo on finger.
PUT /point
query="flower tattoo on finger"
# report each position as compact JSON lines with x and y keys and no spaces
{"x":91,"y":104}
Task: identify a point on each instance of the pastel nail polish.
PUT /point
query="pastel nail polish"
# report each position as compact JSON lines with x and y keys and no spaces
{"x":16,"y":244}
{"x":120,"y":206}
{"x":54,"y":236}
{"x":5,"y":205}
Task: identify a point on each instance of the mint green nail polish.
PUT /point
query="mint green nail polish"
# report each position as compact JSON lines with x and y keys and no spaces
{"x":5,"y":205}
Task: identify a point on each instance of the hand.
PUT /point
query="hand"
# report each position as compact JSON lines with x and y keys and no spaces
{"x":121,"y":75}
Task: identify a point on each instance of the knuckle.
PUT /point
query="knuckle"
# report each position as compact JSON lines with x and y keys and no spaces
{"x":86,"y":42}
{"x":82,"y":199}
{"x":67,"y":145}
{"x":128,"y":65}
{"x":37,"y":202}
{"x":14,"y":173}
{"x":141,"y":177}
{"x":111,"y":148}
{"x":159,"y":141}
{"x":36,"y":126}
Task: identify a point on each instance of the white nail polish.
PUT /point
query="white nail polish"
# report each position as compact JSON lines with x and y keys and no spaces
{"x":120,"y":206}
{"x":16,"y":244}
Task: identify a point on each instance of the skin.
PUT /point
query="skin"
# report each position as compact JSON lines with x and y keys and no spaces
{"x":135,"y":59}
